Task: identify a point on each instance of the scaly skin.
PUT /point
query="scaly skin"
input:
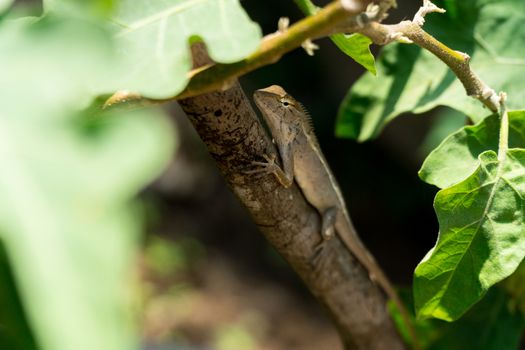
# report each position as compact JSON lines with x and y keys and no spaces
{"x":304,"y":162}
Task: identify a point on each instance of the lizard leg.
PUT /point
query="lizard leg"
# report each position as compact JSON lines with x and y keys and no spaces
{"x":271,"y":167}
{"x":328,"y":223}
{"x":327,"y":232}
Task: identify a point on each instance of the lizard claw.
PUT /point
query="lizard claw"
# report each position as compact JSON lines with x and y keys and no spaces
{"x":263,"y":168}
{"x":319,"y":258}
{"x":316,"y":257}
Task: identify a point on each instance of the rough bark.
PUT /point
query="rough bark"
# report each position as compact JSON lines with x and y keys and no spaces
{"x":234,"y":136}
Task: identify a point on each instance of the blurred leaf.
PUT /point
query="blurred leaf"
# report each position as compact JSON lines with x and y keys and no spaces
{"x":306,"y":6}
{"x":515,"y":286}
{"x":5,"y":4}
{"x":457,"y":156}
{"x":163,"y":256}
{"x":234,"y":337}
{"x":98,"y":8}
{"x":155,"y":36}
{"x":66,"y":181}
{"x":492,"y":324}
{"x":166,"y":257}
{"x":67,"y":61}
{"x":14,"y":329}
{"x":481,"y":241}
{"x":413,"y":80}
{"x":356,"y":46}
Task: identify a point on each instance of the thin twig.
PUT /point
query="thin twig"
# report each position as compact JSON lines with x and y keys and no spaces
{"x":458,"y":62}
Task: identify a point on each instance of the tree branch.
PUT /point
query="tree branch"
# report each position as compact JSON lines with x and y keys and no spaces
{"x":458,"y":62}
{"x":235,"y":137}
{"x":338,"y":16}
{"x":217,"y":77}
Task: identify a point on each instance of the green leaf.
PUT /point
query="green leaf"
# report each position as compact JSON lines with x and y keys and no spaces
{"x":97,"y":8}
{"x":356,"y":46}
{"x":481,"y":241}
{"x":154,"y":38}
{"x":67,"y":226}
{"x":457,"y":156}
{"x":306,"y":6}
{"x":5,"y":4}
{"x":14,"y":328}
{"x":67,"y":61}
{"x":492,"y":324}
{"x":413,"y":80}
{"x":446,"y":122}
{"x":67,"y":179}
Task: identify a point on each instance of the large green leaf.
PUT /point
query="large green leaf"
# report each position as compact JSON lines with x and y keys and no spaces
{"x":413,"y":80}
{"x":67,"y":227}
{"x":154,"y":38}
{"x":66,"y":181}
{"x":356,"y":46}
{"x":481,"y":240}
{"x":457,"y":156}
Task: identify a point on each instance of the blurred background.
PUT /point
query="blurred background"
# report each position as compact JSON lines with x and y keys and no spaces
{"x":212,"y":280}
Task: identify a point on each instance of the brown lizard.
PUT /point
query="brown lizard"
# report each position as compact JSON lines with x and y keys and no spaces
{"x":303,"y":161}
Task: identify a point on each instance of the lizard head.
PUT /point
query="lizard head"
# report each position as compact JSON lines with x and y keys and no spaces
{"x":280,"y":110}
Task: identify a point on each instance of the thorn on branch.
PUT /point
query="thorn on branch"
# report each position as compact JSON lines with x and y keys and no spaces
{"x":428,"y":7}
{"x":309,"y":46}
{"x":283,"y":24}
{"x":384,"y":7}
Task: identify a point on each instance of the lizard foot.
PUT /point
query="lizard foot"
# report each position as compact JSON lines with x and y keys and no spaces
{"x":263,"y":168}
{"x":319,"y":259}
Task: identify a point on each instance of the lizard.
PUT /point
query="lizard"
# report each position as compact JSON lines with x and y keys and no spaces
{"x":303,"y":161}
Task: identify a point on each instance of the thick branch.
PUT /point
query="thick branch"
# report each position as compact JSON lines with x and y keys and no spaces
{"x":217,"y":77}
{"x":234,"y":136}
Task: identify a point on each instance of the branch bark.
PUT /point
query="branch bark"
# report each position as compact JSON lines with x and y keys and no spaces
{"x":234,"y":136}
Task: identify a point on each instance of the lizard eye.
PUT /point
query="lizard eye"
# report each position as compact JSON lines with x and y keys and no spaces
{"x":285,"y":102}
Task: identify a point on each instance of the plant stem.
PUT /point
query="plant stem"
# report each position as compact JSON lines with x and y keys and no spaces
{"x":306,"y":6}
{"x":457,"y":61}
{"x":217,"y":77}
{"x":503,"y":145}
